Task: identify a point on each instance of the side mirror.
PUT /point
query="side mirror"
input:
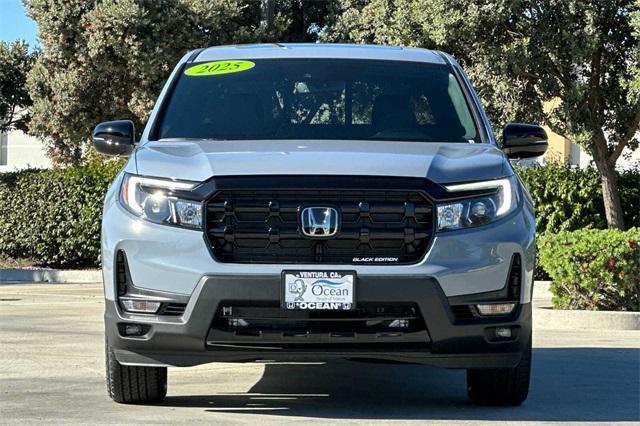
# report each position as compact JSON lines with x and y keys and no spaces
{"x":114,"y":137}
{"x":521,"y":140}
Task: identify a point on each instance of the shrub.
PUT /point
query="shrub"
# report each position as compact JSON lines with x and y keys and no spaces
{"x":53,"y":216}
{"x":593,"y":269}
{"x":569,"y":199}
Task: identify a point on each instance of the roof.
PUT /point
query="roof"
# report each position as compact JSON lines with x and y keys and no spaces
{"x":318,"y":50}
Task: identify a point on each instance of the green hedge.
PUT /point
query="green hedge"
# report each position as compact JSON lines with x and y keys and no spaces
{"x":593,"y":269}
{"x":53,"y":216}
{"x":569,"y":199}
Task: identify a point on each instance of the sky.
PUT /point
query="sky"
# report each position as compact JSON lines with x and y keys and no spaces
{"x":14,"y":23}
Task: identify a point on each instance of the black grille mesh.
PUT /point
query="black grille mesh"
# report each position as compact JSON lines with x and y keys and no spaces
{"x":261,"y":226}
{"x":172,"y":308}
{"x":122,"y":272}
{"x":515,"y":278}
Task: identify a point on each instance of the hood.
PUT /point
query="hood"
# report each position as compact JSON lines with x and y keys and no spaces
{"x":439,"y":162}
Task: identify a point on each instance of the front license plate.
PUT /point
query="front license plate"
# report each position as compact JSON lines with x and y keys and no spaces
{"x":318,"y":290}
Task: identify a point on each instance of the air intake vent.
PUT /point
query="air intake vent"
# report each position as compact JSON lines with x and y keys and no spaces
{"x":462,"y":312}
{"x":122,"y":273}
{"x":172,"y":309}
{"x":515,"y":278}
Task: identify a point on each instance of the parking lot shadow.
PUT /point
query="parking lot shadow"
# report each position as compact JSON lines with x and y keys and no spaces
{"x":568,"y":384}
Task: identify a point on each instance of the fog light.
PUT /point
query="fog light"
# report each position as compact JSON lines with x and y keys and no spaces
{"x":503,"y":332}
{"x":143,"y":306}
{"x":132,"y":330}
{"x":496,"y":308}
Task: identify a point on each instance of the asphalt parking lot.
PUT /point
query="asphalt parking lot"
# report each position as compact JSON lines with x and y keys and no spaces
{"x":51,"y":369}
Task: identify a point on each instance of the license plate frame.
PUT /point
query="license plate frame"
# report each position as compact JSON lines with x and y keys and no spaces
{"x":325,"y":290}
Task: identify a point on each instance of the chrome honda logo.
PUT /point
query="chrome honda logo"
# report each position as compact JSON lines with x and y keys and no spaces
{"x":319,"y":222}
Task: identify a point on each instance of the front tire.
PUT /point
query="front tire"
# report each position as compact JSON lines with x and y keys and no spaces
{"x":501,"y":386}
{"x":134,"y":385}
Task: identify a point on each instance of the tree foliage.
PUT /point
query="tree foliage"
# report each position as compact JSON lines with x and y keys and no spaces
{"x":15,"y":63}
{"x":108,"y":59}
{"x":307,"y":19}
{"x":572,"y":64}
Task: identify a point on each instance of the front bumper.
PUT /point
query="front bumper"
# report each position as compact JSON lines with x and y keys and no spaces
{"x":448,"y":341}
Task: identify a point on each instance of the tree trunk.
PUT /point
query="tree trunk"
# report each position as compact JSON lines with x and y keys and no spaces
{"x":297,"y":27}
{"x":610,"y":191}
{"x":267,"y":12}
{"x":611,"y":197}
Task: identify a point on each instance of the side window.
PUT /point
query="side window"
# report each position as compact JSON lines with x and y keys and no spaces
{"x":460,"y":105}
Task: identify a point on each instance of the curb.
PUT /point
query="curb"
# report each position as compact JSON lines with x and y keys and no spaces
{"x":545,"y":317}
{"x":17,"y":275}
{"x":556,"y":319}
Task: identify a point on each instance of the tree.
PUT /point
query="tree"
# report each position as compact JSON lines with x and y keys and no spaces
{"x":15,"y":63}
{"x":108,"y":59}
{"x":580,"y":56}
{"x":307,"y":19}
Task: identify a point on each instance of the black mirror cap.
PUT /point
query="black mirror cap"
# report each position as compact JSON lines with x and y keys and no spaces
{"x":114,"y":137}
{"x":521,"y":140}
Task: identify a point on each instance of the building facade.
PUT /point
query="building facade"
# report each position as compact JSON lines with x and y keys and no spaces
{"x":562,"y":150}
{"x":20,"y":151}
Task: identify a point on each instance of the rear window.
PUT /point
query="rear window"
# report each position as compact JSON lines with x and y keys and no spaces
{"x":318,"y":99}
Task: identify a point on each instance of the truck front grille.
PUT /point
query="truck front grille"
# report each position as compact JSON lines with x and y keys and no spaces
{"x":262,"y":226}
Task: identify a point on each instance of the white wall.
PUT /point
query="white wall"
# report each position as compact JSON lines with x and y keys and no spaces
{"x":627,"y":160}
{"x":19,"y":150}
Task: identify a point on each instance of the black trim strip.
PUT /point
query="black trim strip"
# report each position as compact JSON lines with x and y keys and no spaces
{"x":194,"y":55}
{"x":434,"y":192}
{"x":159,"y":117}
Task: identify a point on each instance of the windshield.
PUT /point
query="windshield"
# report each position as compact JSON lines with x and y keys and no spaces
{"x":317,"y":99}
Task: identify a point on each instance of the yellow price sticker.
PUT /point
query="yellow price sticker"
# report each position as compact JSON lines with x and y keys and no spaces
{"x":219,"y":67}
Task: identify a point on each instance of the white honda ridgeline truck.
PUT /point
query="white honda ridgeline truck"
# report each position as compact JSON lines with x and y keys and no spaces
{"x":301,"y":202}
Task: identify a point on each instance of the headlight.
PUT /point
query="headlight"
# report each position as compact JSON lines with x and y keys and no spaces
{"x":481,"y":210}
{"x":151,"y":199}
